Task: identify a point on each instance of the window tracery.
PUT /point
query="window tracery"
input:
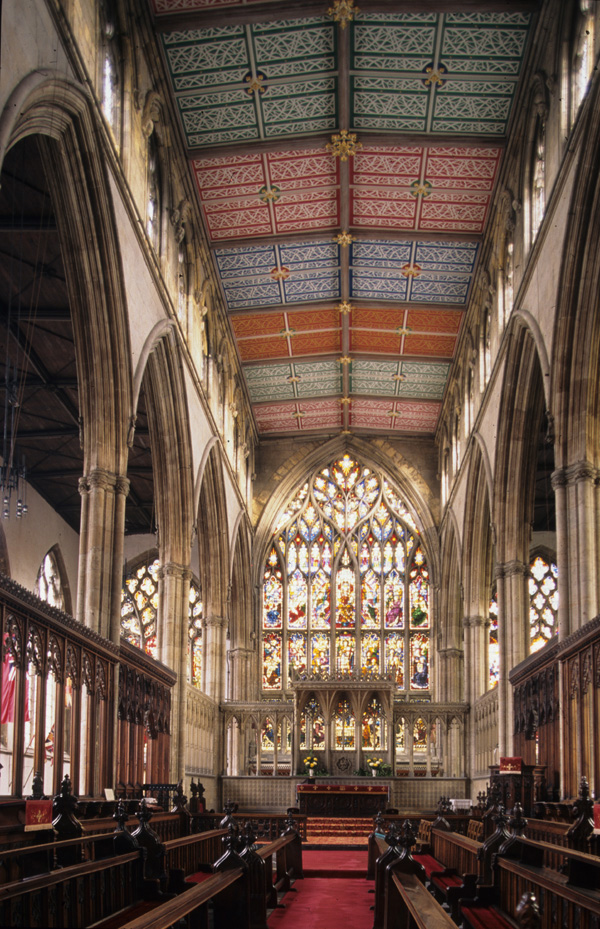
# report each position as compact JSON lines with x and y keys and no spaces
{"x":110,"y":63}
{"x":346,"y":584}
{"x":48,"y":585}
{"x":493,"y":645}
{"x":583,"y":53}
{"x":543,"y":602}
{"x":139,"y":615}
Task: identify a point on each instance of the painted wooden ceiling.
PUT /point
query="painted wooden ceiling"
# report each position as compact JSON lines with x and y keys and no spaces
{"x":346,"y":275}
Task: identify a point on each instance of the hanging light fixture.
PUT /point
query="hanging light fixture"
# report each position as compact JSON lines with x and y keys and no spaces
{"x":12,"y":476}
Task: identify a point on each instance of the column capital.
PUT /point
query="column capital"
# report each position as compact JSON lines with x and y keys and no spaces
{"x":218,"y":622}
{"x":100,"y":478}
{"x":511,"y":568}
{"x":558,"y":478}
{"x":474,"y":621}
{"x":241,"y":652}
{"x":581,"y":471}
{"x":172,"y":569}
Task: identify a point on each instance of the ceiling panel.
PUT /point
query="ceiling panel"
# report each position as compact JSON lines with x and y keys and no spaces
{"x":271,"y":275}
{"x":268,"y":194}
{"x":364,"y":334}
{"x":394,"y":416}
{"x":436,"y":72}
{"x":256,"y":81}
{"x":428,"y":189}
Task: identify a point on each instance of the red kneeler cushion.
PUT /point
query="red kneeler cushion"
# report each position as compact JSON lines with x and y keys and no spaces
{"x":484,"y":917}
{"x":429,"y":863}
{"x":444,"y":881}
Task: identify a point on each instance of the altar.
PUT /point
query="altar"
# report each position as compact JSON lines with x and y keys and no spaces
{"x":342,"y":799}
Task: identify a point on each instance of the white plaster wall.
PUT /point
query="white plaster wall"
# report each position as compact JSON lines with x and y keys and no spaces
{"x":28,"y":42}
{"x":200,"y":429}
{"x":541,"y":293}
{"x":29,"y":539}
{"x":488,"y":423}
{"x":233,"y":506}
{"x":136,"y":545}
{"x":144,"y":304}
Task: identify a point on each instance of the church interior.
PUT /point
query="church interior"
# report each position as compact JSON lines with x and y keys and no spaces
{"x":301,"y":449}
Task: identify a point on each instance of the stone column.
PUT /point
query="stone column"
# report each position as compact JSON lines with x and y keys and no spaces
{"x":172,"y":622}
{"x":513,"y":639}
{"x":240,"y":673}
{"x":102,"y":530}
{"x":559,"y":484}
{"x":581,"y":498}
{"x":215,"y":629}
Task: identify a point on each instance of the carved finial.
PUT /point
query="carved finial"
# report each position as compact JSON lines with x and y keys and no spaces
{"x":151,"y":112}
{"x":528,"y":912}
{"x":120,"y":816}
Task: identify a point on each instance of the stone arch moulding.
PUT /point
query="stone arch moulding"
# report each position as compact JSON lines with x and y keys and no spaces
{"x":487,"y":464}
{"x":59,"y":111}
{"x":161,"y":329}
{"x":201,"y":470}
{"x":411,"y":485}
{"x":576,"y":344}
{"x":536,"y":333}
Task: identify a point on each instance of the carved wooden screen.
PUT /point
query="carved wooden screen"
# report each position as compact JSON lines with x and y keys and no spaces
{"x":57,"y":698}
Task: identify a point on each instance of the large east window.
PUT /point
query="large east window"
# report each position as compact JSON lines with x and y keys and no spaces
{"x":346,"y":584}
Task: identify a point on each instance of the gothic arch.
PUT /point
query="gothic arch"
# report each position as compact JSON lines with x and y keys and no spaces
{"x":519,"y":418}
{"x":171,"y":451}
{"x":414,"y":490}
{"x":241,"y":593}
{"x":59,"y":112}
{"x":213,"y":536}
{"x":477,"y":538}
{"x":576,"y":347}
{"x":449,"y":630}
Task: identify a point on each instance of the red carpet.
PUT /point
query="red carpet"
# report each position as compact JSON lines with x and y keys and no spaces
{"x":339,"y":897}
{"x":338,"y":831}
{"x":338,"y":864}
{"x":322,"y":903}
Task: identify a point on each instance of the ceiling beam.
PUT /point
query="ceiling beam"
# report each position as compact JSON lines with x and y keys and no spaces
{"x":367,"y":235}
{"x":355,"y":302}
{"x":34,"y":361}
{"x":58,"y":473}
{"x":55,"y":432}
{"x":28,"y":224}
{"x":356,"y":356}
{"x":301,"y":9}
{"x":367,"y":139}
{"x":58,"y":314}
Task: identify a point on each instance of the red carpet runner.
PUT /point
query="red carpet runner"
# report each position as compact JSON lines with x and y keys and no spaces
{"x":337,"y":899}
{"x":339,"y":831}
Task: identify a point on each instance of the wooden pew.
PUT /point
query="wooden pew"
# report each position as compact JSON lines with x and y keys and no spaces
{"x":409,"y":905}
{"x":234,"y":904}
{"x":228,"y":888}
{"x":78,"y":895}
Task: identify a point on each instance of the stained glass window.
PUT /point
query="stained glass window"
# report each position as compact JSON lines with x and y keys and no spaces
{"x":139,"y":612}
{"x":373,"y":727}
{"x":420,"y":736}
{"x":139,"y":607}
{"x":493,"y":647}
{"x":195,"y":637}
{"x":543,"y":602}
{"x":344,"y":725}
{"x":346,"y":583}
{"x":48,"y":585}
{"x":312,"y":726}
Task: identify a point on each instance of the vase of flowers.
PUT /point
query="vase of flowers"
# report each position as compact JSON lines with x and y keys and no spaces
{"x":310,"y":765}
{"x":374,"y":764}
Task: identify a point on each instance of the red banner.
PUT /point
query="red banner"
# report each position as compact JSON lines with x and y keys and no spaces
{"x":38,"y":815}
{"x":511,"y":765}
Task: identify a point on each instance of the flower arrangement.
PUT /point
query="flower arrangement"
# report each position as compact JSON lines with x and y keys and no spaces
{"x":374,"y":763}
{"x":311,"y":762}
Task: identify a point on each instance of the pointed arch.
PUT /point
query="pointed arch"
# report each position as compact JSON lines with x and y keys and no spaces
{"x":59,"y":112}
{"x":213,"y":536}
{"x":519,"y":419}
{"x":171,"y":450}
{"x":413,"y":489}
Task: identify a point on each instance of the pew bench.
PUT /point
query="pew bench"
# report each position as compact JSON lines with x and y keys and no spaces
{"x":409,"y":905}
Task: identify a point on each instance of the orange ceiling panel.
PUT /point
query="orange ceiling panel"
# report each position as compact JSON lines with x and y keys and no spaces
{"x":439,"y":345}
